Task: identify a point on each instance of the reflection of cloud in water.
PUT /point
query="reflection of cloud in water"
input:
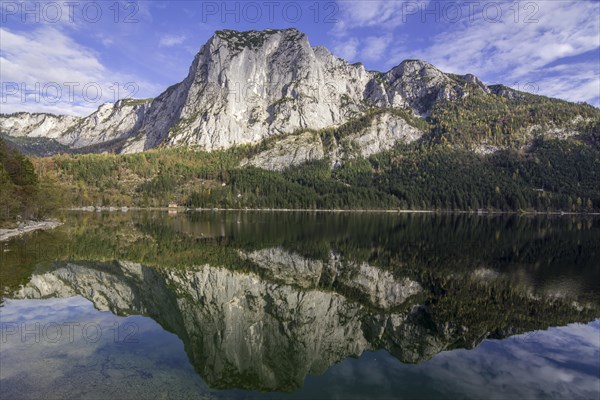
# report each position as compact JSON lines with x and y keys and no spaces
{"x":557,"y":363}
{"x":154,"y":366}
{"x":560,"y":363}
{"x":562,"y":286}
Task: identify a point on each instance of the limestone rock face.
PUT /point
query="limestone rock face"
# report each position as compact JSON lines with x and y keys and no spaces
{"x":248,"y":87}
{"x":112,"y":121}
{"x":473,"y":79}
{"x":234,"y":325}
{"x":36,"y":125}
{"x":509,"y":93}
{"x":378,"y":287}
{"x":242,"y":88}
{"x":384,"y":131}
{"x":268,"y":328}
{"x":415,"y":83}
{"x":290,"y":151}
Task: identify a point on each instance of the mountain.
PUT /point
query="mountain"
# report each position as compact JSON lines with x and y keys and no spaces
{"x":246,"y":87}
{"x":265,"y":120}
{"x":286,"y":316}
{"x":260,"y":301}
{"x":110,"y":123}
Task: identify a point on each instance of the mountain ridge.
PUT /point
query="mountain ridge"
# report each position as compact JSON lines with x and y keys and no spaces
{"x":245,"y":87}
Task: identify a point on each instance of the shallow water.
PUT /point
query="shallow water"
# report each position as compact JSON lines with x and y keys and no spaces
{"x":302,"y":305}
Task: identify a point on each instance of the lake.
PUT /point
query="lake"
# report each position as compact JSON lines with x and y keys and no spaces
{"x":294,"y":305}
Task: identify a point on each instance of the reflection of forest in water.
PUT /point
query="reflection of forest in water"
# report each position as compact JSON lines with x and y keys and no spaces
{"x":260,"y":300}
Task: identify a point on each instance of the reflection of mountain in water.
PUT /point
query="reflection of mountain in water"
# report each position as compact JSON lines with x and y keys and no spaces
{"x":285,"y":316}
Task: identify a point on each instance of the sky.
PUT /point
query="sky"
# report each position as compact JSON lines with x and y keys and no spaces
{"x":69,"y":57}
{"x":558,"y":363}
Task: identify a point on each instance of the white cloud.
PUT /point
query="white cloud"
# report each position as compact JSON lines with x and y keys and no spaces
{"x":386,"y":14}
{"x":105,"y":40}
{"x":347,"y":48}
{"x":48,"y":58}
{"x":171,"y":40}
{"x":46,"y":55}
{"x":374,"y":47}
{"x":574,"y":82}
{"x":508,"y":51}
{"x":557,"y":363}
{"x":371,"y":48}
{"x":563,"y":30}
{"x":532,"y":368}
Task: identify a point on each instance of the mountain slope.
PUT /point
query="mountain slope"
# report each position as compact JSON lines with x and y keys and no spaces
{"x":22,"y":193}
{"x":246,"y":87}
{"x":264,"y":119}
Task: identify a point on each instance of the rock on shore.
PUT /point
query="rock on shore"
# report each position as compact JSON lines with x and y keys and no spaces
{"x":28,"y":226}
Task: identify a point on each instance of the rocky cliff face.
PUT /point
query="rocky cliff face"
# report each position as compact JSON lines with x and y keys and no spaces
{"x":111,"y":122}
{"x":244,"y":87}
{"x":377,"y":288}
{"x":240,"y":330}
{"x":289,"y":151}
{"x":382,"y":132}
{"x":289,"y":316}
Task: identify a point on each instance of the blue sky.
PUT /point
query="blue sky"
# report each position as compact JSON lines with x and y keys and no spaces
{"x":71,"y":57}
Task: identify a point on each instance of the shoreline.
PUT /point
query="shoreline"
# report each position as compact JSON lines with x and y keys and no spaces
{"x":27,"y":227}
{"x":371,"y":211}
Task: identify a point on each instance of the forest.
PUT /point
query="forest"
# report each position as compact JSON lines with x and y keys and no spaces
{"x":421,"y":247}
{"x":546,"y":158}
{"x":22,"y":194}
{"x":555,"y":175}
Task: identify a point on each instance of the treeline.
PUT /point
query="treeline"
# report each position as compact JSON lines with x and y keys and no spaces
{"x":22,"y":193}
{"x":422,"y":248}
{"x":547,"y":158}
{"x":497,"y":120}
{"x":554,"y":175}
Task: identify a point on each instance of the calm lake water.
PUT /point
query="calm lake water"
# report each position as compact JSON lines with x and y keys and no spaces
{"x":302,"y":305}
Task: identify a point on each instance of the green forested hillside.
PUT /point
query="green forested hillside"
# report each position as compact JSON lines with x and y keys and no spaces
{"x":21,"y":192}
{"x":552,"y":175}
{"x":509,"y":151}
{"x":507,"y":121}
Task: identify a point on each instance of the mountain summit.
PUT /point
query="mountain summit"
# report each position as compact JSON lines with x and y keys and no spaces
{"x":245,"y":87}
